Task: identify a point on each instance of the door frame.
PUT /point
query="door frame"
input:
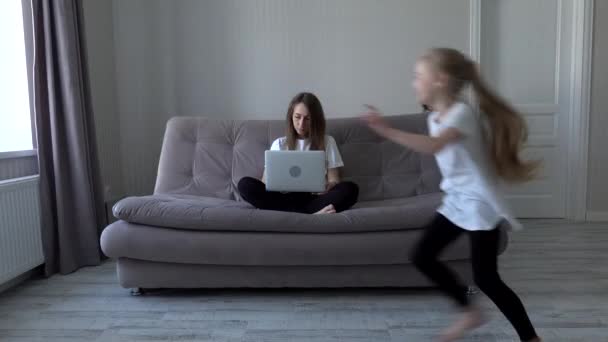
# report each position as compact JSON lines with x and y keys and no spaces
{"x":580,"y":105}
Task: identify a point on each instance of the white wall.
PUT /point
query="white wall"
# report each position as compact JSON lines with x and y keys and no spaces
{"x":246,"y":59}
{"x":598,"y":157}
{"x":100,"y":45}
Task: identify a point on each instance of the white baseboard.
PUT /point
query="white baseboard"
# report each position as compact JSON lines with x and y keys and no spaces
{"x":597,"y":216}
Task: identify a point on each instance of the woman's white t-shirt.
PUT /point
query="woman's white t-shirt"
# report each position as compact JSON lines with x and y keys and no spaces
{"x":332,"y":154}
{"x":472,"y":198}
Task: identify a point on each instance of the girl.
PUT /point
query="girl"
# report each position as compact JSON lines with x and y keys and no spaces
{"x":305,"y":131}
{"x":473,"y":153}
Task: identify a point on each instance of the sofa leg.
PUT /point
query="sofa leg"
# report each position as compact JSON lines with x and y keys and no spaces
{"x":472,"y":290}
{"x":137,"y":291}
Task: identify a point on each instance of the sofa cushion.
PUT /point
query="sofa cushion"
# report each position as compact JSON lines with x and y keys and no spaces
{"x":205,"y":157}
{"x":213,"y":214}
{"x":126,"y":240}
{"x":397,"y":202}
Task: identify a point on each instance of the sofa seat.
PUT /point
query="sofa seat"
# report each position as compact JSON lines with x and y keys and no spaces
{"x":213,"y":214}
{"x":127,"y":240}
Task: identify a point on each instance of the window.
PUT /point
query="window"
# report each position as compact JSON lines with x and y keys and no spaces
{"x":15,"y":117}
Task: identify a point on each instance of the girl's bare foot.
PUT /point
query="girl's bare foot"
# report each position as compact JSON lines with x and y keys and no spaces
{"x":471,"y":318}
{"x":327,"y":210}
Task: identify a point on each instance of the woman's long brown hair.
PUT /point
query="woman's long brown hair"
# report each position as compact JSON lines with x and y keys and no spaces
{"x":316,"y":133}
{"x":507,"y":128}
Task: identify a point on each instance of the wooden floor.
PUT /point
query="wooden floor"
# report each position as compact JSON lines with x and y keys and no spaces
{"x":559,"y":269}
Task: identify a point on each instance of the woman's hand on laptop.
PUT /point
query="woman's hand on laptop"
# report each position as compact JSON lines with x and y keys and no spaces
{"x":333,"y":178}
{"x":330,"y":185}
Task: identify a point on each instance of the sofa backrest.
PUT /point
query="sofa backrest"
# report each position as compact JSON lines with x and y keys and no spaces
{"x":208,"y":157}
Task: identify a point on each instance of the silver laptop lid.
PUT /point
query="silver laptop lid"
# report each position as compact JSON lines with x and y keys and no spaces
{"x":295,"y":171}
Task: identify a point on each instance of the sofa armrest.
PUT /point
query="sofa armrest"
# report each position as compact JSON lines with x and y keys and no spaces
{"x":170,"y":210}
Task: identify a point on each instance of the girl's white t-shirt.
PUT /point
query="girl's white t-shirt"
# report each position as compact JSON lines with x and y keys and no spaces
{"x":332,"y":154}
{"x":472,"y":200}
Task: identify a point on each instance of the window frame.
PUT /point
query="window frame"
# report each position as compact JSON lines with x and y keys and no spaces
{"x":28,"y":38}
{"x":26,"y":10}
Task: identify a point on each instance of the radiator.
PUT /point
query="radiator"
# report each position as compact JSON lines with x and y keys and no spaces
{"x":20,"y":241}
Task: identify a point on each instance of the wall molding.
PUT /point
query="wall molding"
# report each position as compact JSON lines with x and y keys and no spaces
{"x":558,"y":51}
{"x":597,"y":216}
{"x":474,"y":41}
{"x":538,"y":108}
{"x":580,"y":99}
{"x":475,"y":30}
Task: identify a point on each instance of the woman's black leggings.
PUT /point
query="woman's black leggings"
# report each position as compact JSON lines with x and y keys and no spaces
{"x":484,"y":248}
{"x":343,"y":196}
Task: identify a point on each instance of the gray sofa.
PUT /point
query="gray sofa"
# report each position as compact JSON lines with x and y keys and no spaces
{"x":196,"y":232}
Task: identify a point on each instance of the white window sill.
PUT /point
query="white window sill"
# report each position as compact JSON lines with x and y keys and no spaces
{"x":18,"y":154}
{"x":15,"y":182}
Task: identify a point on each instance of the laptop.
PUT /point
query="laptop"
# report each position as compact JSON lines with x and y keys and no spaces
{"x":295,"y":171}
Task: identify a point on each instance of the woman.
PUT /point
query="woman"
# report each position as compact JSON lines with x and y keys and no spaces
{"x":305,"y":131}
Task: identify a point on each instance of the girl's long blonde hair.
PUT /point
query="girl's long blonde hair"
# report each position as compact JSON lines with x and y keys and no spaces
{"x":507,"y":129}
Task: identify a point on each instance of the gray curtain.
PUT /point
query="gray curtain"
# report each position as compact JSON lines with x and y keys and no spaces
{"x":70,"y":186}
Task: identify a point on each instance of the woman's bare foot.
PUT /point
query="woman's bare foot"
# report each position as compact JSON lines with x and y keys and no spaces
{"x":327,"y":210}
{"x":471,"y":318}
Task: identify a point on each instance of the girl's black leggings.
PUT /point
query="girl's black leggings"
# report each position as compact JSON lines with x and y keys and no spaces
{"x":484,"y":248}
{"x":343,"y":196}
